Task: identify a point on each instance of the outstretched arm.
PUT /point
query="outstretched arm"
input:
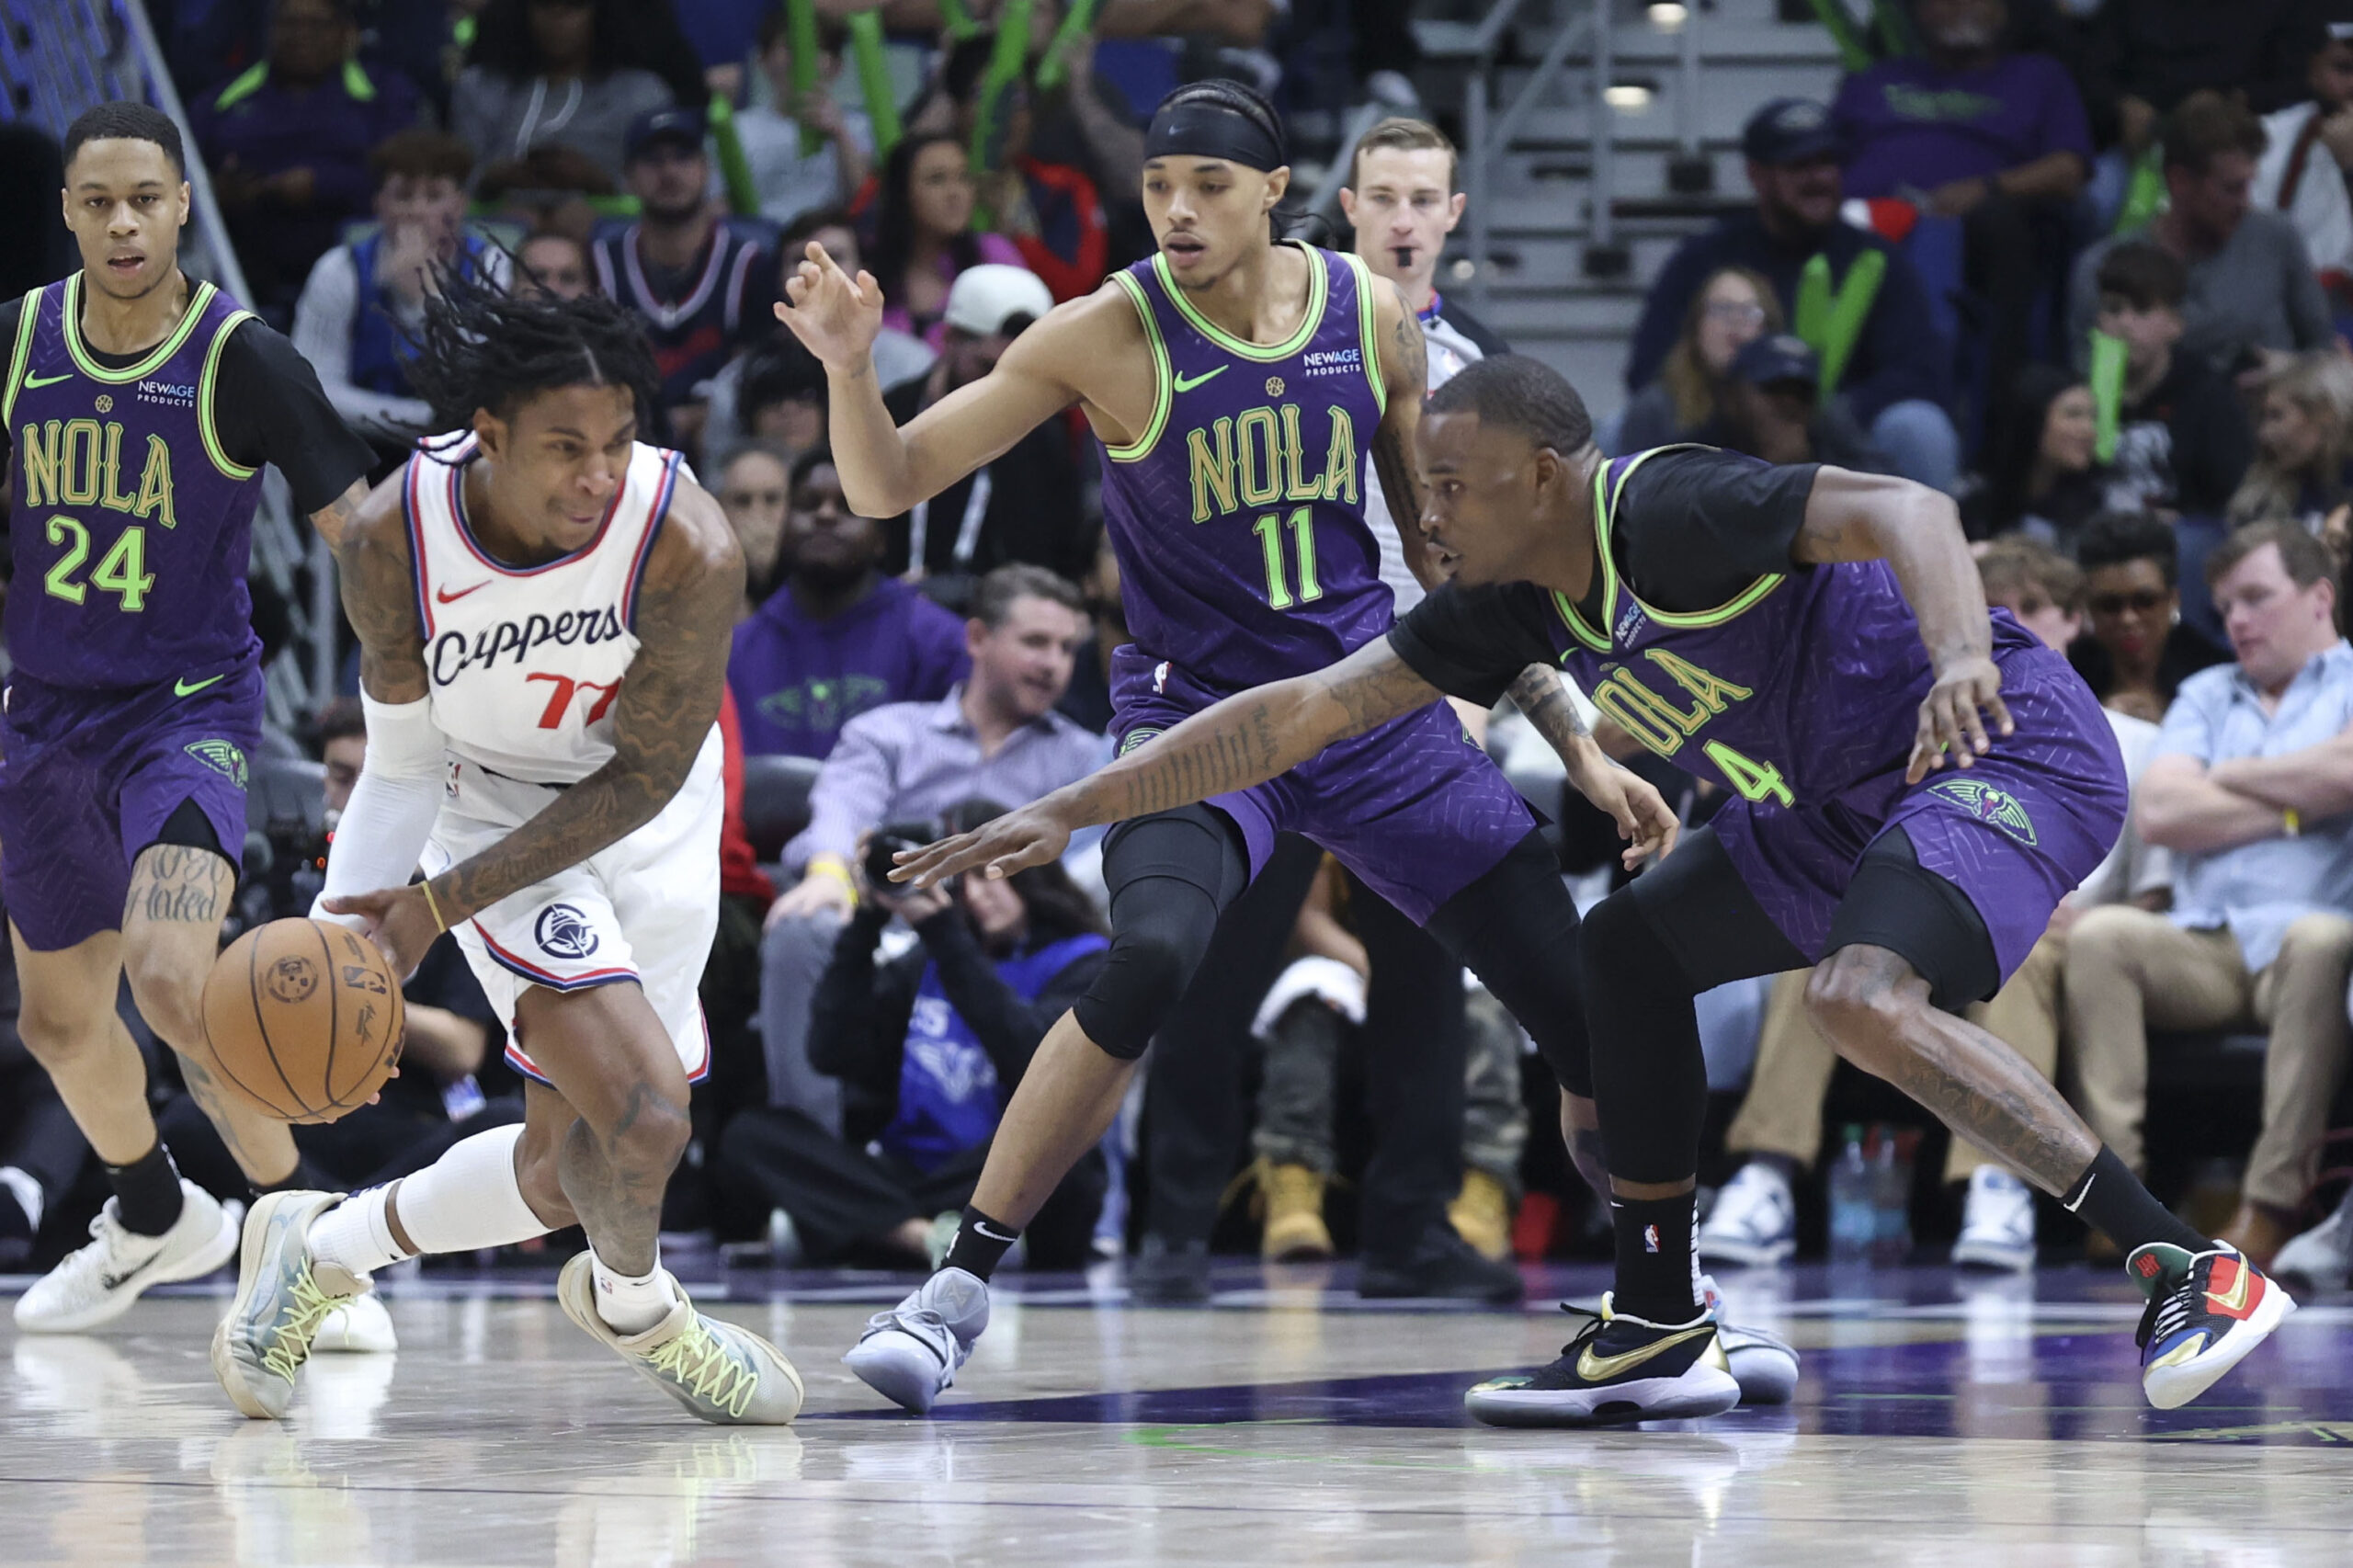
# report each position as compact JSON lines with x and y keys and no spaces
{"x":1861,"y":517}
{"x":1249,"y":738}
{"x":884,"y":469}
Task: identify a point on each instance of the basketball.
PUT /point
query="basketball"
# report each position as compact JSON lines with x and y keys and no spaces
{"x":304,"y":1017}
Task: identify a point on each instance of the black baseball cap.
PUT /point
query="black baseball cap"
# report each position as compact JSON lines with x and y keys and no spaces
{"x":682,"y":127}
{"x":1791,"y":130}
{"x":1782,"y":357}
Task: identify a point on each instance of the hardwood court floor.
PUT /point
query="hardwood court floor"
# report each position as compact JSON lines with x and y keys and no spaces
{"x":1940,"y":1420}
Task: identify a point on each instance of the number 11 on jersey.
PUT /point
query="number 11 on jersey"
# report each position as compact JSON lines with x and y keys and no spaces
{"x":1269,"y":530}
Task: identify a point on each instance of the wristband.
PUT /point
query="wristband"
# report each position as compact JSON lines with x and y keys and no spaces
{"x":831,"y":865}
{"x":2292,"y":824}
{"x":440,"y":926}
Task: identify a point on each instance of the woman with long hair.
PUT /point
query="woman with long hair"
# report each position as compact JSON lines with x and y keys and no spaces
{"x":2304,"y":449}
{"x":573,"y":72}
{"x":923,"y":234}
{"x":2042,"y":475}
{"x":1733,"y":308}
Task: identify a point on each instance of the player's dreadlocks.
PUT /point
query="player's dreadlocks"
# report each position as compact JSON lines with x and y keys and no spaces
{"x":1522,"y":394}
{"x":484,"y":348}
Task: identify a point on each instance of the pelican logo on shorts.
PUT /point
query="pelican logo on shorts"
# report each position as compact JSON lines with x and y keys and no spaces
{"x":290,"y":980}
{"x":1136,"y":738}
{"x":563,"y":932}
{"x":222,"y":757}
{"x":1997,"y":808}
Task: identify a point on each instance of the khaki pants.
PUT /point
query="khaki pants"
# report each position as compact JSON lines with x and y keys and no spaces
{"x":1782,"y":1114}
{"x":2129,"y":970}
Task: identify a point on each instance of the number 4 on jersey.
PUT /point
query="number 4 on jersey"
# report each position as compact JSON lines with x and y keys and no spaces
{"x":1754,"y":780}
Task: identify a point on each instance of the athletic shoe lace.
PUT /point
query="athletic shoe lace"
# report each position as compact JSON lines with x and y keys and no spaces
{"x":2166,"y":1314}
{"x":289,"y":1344}
{"x":697,"y":1362}
{"x":1588,"y":1332}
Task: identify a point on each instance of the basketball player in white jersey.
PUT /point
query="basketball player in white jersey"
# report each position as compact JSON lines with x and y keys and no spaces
{"x":543,"y":604}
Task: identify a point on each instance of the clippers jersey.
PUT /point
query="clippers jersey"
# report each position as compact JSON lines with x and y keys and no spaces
{"x":1238,"y":514}
{"x":131,"y":527}
{"x":523,"y":663}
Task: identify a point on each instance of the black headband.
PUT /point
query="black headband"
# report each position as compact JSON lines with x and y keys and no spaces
{"x":1206,"y":129}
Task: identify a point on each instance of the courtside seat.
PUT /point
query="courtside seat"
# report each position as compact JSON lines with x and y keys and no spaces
{"x":776,"y":802}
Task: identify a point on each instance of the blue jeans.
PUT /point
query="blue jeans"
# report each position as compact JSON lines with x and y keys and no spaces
{"x":1919,"y":439}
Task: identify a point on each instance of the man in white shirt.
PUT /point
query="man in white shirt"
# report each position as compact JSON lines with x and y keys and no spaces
{"x":789,"y":180}
{"x":2303,"y":172}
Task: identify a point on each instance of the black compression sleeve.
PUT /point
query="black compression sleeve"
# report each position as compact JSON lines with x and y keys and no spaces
{"x":1473,"y":642}
{"x":270,"y":408}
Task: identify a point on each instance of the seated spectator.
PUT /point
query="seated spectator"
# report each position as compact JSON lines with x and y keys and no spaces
{"x":2182,"y":442}
{"x":2249,"y":788}
{"x":755,"y":489}
{"x":2249,"y":290}
{"x":1049,"y":211}
{"x":996,"y":735}
{"x":551,"y":190}
{"x":2142,"y":58}
{"x":287,"y":144}
{"x":1780,"y":1122}
{"x":1024,"y":505}
{"x":1772,"y":408}
{"x":2138,"y":649}
{"x":2042,"y":476}
{"x":928,"y":1048}
{"x":2309,"y":148}
{"x":790,"y":182}
{"x":1891,"y":364}
{"x":923,"y":235}
{"x":575,"y":72}
{"x":1731,"y":309}
{"x":1969,"y":129}
{"x":782,"y":395}
{"x":365,"y":301}
{"x":554,"y":264}
{"x":703,"y":287}
{"x":839,"y":636}
{"x":2304,"y":449}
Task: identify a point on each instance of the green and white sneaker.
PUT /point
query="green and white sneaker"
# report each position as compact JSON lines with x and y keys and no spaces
{"x":280,"y":1304}
{"x":723,"y":1374}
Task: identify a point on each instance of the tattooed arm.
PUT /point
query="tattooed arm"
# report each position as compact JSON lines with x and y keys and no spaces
{"x":1404,"y":375}
{"x":335,"y":519}
{"x":1641,"y":813}
{"x":1249,"y":738}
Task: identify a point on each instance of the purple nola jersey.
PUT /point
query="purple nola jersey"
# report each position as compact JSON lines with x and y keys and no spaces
{"x":130,"y":525}
{"x":1238,"y":513}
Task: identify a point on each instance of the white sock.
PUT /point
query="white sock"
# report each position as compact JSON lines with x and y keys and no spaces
{"x":632,"y":1304}
{"x":468,"y":1199}
{"x":356,"y":1235}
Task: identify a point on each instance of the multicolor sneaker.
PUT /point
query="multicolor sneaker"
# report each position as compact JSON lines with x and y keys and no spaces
{"x":726,"y":1375}
{"x":280,"y":1304}
{"x":910,"y":1353}
{"x":2206,"y":1311}
{"x":1619,"y":1370}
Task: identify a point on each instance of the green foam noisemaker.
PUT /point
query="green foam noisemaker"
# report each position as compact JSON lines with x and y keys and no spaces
{"x":2107,"y":381}
{"x":1830,"y":319}
{"x":956,"y":23}
{"x":735,"y":169}
{"x":1078,"y":22}
{"x":800,"y":36}
{"x":1009,"y":53}
{"x":874,"y":79}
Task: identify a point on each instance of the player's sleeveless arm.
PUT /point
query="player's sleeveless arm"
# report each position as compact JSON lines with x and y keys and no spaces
{"x":391,"y":814}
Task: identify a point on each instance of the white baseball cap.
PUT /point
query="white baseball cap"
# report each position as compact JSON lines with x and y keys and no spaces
{"x":983,"y":298}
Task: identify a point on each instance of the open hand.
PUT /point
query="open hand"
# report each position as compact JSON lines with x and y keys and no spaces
{"x":397,"y":920}
{"x":1002,"y":846}
{"x":836,"y":317}
{"x":1951,"y":725}
{"x":1644,"y":820}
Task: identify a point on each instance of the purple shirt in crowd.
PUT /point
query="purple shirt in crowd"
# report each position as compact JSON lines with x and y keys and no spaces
{"x":1909,"y":124}
{"x":798,"y":679}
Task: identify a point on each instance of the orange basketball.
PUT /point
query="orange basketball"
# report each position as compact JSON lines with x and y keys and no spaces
{"x":304,"y":1017}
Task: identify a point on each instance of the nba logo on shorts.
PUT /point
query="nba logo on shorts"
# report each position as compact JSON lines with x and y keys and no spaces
{"x":563,"y":932}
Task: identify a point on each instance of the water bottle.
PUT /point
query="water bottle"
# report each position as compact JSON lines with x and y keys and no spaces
{"x":1853,"y":1224}
{"x":1890,"y":1198}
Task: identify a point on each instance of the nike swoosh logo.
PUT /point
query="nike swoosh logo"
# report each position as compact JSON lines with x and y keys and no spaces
{"x":184,"y":687}
{"x":1184,"y":386}
{"x":32,"y":382}
{"x":445,"y":597}
{"x":1596,"y":1368}
{"x":2233,"y":1302}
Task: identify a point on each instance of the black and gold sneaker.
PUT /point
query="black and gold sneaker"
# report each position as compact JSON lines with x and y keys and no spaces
{"x":1619,"y":1370}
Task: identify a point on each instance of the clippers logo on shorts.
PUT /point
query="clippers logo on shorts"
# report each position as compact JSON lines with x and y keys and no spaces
{"x":563,"y":932}
{"x":222,"y":757}
{"x":1997,"y":808}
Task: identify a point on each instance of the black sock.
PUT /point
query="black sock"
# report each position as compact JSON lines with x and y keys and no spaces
{"x":304,"y":1177}
{"x":979,"y":1244}
{"x":2110,"y":1200}
{"x":1658,"y":1278}
{"x":147,"y":1192}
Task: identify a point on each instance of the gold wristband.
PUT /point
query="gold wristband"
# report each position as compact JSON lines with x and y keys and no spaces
{"x":2292,"y":824}
{"x":440,"y":926}
{"x":831,"y":865}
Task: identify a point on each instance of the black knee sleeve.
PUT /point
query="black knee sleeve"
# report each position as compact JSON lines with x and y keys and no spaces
{"x":1515,"y":929}
{"x":1170,"y":877}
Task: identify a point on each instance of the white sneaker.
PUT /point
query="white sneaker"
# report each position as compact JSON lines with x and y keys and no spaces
{"x":1754,"y":1221}
{"x":1997,"y":1222}
{"x":2321,"y":1260}
{"x":909,"y":1354}
{"x":96,"y":1283}
{"x":359,"y":1326}
{"x":1764,"y":1365}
